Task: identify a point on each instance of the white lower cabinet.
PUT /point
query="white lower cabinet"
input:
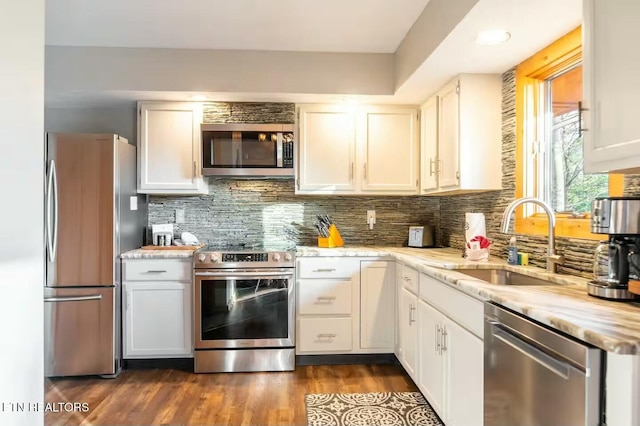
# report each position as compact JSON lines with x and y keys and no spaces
{"x":157,"y":313}
{"x":345,"y":306}
{"x":408,"y":328}
{"x":157,"y":319}
{"x":377,"y":306}
{"x":451,"y":367}
{"x":432,"y":365}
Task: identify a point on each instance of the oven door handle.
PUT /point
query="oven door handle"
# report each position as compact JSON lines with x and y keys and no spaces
{"x":239,"y":275}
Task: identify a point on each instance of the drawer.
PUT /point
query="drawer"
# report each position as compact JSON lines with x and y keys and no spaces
{"x":157,"y":270}
{"x":327,"y":267}
{"x":409,"y":277}
{"x":324,"y":297}
{"x":324,"y":334}
{"x":463,"y":309}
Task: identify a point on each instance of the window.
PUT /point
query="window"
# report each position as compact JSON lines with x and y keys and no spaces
{"x":549,"y":144}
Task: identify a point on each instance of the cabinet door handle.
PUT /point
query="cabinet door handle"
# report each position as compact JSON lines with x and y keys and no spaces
{"x":351,"y":173}
{"x":194,"y":169}
{"x":439,"y":169}
{"x":432,"y":162}
{"x":324,"y":270}
{"x":365,"y":171}
{"x":444,"y":339}
{"x":156,"y":271}
{"x":326,"y":336}
{"x":325,"y":298}
{"x":406,"y":278}
{"x":437,"y":334}
{"x":581,"y":109}
{"x":411,"y":316}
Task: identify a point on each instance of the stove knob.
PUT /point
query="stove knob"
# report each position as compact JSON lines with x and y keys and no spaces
{"x":287,"y":257}
{"x":276,"y":257}
{"x":214,"y":258}
{"x":202,"y":257}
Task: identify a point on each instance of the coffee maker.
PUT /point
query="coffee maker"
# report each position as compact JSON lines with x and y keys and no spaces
{"x":616,"y":260}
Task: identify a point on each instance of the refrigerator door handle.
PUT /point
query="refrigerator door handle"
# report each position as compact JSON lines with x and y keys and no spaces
{"x":73,"y":298}
{"x":55,"y":216}
{"x":48,"y":212}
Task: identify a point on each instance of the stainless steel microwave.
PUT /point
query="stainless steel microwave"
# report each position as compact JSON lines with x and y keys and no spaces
{"x":248,"y":150}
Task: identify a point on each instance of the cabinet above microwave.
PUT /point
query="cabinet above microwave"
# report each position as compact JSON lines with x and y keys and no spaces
{"x":248,"y":150}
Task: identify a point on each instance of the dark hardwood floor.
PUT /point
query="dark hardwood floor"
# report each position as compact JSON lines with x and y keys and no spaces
{"x":156,"y":397}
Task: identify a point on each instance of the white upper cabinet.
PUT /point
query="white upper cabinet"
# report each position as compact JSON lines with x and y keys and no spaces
{"x":328,"y":154}
{"x":358,"y":150}
{"x":169,"y":148}
{"x":390,"y":150}
{"x":611,"y":85}
{"x":461,"y":140}
{"x":429,"y":151}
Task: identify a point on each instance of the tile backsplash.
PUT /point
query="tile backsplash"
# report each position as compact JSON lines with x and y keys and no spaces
{"x":249,"y":211}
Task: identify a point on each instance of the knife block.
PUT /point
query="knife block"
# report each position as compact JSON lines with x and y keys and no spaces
{"x":333,"y":240}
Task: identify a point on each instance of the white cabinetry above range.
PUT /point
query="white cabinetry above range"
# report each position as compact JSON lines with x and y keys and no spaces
{"x":169,"y":148}
{"x":358,"y":150}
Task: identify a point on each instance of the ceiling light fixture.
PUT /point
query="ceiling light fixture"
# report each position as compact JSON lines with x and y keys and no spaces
{"x":492,"y":37}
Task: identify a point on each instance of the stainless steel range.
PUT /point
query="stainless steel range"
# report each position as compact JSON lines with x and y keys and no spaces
{"x":244,"y":309}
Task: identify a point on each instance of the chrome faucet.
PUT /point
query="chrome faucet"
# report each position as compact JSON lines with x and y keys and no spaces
{"x":552,"y":258}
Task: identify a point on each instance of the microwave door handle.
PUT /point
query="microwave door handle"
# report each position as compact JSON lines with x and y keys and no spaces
{"x":279,"y":161}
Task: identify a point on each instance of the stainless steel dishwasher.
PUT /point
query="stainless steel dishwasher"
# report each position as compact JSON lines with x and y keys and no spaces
{"x":534,"y":376}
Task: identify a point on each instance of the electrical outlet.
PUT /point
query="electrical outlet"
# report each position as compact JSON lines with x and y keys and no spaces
{"x":371,"y":218}
{"x":179,"y":215}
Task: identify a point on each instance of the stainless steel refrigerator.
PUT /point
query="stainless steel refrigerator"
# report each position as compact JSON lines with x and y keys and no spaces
{"x":92,"y":215}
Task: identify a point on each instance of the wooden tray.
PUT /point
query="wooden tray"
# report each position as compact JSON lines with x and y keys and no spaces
{"x":172,"y":247}
{"x":634,"y":287}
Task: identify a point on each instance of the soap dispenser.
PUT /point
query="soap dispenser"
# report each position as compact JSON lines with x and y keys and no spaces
{"x":512,"y":252}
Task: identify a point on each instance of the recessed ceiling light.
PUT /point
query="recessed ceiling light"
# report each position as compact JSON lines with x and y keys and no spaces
{"x":199,"y":97}
{"x":492,"y":37}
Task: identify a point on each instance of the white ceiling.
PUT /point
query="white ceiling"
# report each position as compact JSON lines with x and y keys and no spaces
{"x":532,"y":25}
{"x":304,"y":25}
{"x":294,"y":25}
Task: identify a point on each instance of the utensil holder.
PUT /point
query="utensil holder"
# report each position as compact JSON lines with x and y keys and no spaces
{"x":333,"y":240}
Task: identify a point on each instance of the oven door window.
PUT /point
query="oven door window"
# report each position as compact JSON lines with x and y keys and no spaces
{"x":253,"y":308}
{"x":240,"y":149}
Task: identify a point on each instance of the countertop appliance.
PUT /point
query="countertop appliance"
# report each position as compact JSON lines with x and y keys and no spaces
{"x":618,"y":259}
{"x":422,"y":236}
{"x":92,"y":214}
{"x":535,"y":376}
{"x":244,"y":309}
{"x":248,"y":150}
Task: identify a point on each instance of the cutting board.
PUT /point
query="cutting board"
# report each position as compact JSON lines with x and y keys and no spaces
{"x":173,"y":247}
{"x":634,"y":286}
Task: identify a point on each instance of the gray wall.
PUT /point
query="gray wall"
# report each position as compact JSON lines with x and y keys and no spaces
{"x":121,"y":121}
{"x":22,"y":174}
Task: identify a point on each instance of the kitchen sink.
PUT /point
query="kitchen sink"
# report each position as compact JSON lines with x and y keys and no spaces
{"x":504,"y":277}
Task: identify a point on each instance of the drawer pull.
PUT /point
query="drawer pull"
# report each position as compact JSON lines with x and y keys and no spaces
{"x":156,"y":271}
{"x":326,"y":298}
{"x":406,"y":278}
{"x":324,"y":270}
{"x":326,"y":335}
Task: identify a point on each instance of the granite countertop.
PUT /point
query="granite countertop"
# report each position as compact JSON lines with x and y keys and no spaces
{"x":611,"y":326}
{"x":157,"y":254}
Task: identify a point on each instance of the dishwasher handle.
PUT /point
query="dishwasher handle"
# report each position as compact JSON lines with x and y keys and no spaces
{"x":550,"y":363}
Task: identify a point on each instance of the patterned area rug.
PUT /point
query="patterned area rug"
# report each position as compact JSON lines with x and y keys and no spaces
{"x":370,"y":409}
